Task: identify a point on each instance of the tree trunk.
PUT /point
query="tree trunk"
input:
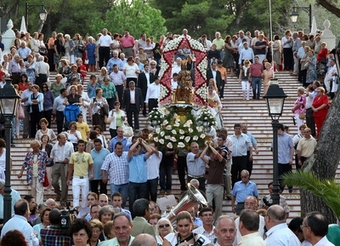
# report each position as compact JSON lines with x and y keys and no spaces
{"x":324,"y":162}
{"x":329,"y":6}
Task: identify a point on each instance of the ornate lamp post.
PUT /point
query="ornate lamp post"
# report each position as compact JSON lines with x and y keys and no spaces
{"x":42,"y":13}
{"x":294,"y":15}
{"x":275,"y":99}
{"x":8,"y":106}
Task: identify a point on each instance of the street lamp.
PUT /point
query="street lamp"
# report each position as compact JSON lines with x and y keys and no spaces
{"x":275,"y":99}
{"x":294,"y":15}
{"x":42,"y":13}
{"x":8,"y":108}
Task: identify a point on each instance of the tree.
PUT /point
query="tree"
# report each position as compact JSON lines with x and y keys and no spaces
{"x":330,"y":5}
{"x":135,"y":15}
{"x":324,"y":162}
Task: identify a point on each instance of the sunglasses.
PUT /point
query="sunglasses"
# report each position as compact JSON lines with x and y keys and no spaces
{"x":163,"y":226}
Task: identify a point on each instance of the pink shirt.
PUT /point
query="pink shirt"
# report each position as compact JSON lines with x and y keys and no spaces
{"x":127,"y":42}
{"x":256,"y":69}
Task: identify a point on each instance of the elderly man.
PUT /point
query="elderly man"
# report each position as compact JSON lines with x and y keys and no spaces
{"x":14,"y":195}
{"x":119,"y":138}
{"x":242,"y":189}
{"x":306,"y":146}
{"x":196,"y":166}
{"x":244,"y":129}
{"x":133,"y":102}
{"x":249,"y":229}
{"x":122,"y":226}
{"x":114,"y":61}
{"x":250,"y":204}
{"x":225,"y":231}
{"x":127,"y":43}
{"x":104,"y":43}
{"x":42,"y":71}
{"x":278,"y":231}
{"x":315,"y":228}
{"x":24,"y":51}
{"x":142,"y":213}
{"x":50,"y":202}
{"x":19,"y":222}
{"x":144,"y":240}
{"x":118,"y":78}
{"x":329,"y":77}
{"x":14,"y":69}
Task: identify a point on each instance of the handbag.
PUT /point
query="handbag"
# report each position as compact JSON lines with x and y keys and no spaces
{"x":81,"y":47}
{"x":106,"y":120}
{"x":46,"y":183}
{"x":20,"y":112}
{"x":305,"y":66}
{"x":128,"y":131}
{"x":302,"y":116}
{"x":43,"y":52}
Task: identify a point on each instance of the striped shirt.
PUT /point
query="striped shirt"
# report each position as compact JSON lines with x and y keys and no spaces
{"x":117,"y":167}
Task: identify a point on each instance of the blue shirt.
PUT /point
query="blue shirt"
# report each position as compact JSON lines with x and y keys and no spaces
{"x":241,"y":190}
{"x":285,"y":144}
{"x":115,"y":140}
{"x":252,"y":140}
{"x":98,"y":159}
{"x":15,"y":197}
{"x":246,"y":54}
{"x":196,"y":166}
{"x":114,"y":61}
{"x":137,"y":169}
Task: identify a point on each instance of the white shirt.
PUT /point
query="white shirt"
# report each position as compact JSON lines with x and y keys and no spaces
{"x":324,"y":242}
{"x":252,"y":239}
{"x":281,"y":235}
{"x":42,"y":67}
{"x":105,"y":41}
{"x":153,"y":92}
{"x":130,"y":71}
{"x":175,"y":69}
{"x":60,"y":152}
{"x":132,"y":97}
{"x":211,"y":236}
{"x":287,"y":45}
{"x":152,"y":165}
{"x":174,"y":84}
{"x":238,"y":234}
{"x":147,"y":76}
{"x":240,"y":144}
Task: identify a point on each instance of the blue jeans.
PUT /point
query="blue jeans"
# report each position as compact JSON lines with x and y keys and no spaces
{"x":136,"y":191}
{"x":152,"y":188}
{"x":257,"y":84}
{"x":122,"y":189}
{"x":165,"y":177}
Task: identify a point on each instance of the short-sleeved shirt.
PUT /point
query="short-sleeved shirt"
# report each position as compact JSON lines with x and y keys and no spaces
{"x":117,"y":167}
{"x":83,"y":128}
{"x":285,"y":143}
{"x":137,"y":169}
{"x":81,"y":162}
{"x":72,"y":100}
{"x":216,"y":169}
{"x":196,"y":166}
{"x":98,"y":160}
{"x":306,"y":146}
{"x":241,"y":190}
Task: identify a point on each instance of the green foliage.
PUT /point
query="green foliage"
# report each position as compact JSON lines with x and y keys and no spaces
{"x":327,"y":190}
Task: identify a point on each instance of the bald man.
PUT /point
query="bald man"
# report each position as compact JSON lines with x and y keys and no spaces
{"x":144,"y":240}
{"x":225,"y":231}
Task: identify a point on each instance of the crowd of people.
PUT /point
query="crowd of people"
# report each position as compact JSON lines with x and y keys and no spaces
{"x":127,"y":84}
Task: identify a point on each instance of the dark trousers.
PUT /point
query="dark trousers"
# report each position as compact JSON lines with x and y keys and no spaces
{"x":165,"y":177}
{"x":302,"y":159}
{"x":152,"y":188}
{"x":119,"y":89}
{"x":111,"y":101}
{"x":299,"y":75}
{"x":222,"y":88}
{"x":60,"y":121}
{"x":310,"y":121}
{"x":94,"y":187}
{"x":304,"y":77}
{"x":283,"y":169}
{"x":48,"y":115}
{"x":27,"y":122}
{"x":51,"y":59}
{"x":181,"y":169}
{"x":249,"y":164}
{"x":104,"y":56}
{"x":133,"y":110}
{"x":40,"y":80}
{"x":35,"y":118}
{"x":153,"y":103}
{"x":257,"y":85}
{"x":239,"y":164}
{"x":136,"y":191}
{"x":288,"y":59}
{"x":113,"y":133}
{"x":201,"y":180}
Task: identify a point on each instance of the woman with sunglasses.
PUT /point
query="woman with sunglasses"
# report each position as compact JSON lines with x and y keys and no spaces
{"x":184,"y":236}
{"x":163,"y":228}
{"x":48,"y":102}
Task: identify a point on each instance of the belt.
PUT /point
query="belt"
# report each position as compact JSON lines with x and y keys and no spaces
{"x":153,"y":98}
{"x":118,"y":85}
{"x":80,"y":177}
{"x":240,"y":203}
{"x":128,"y":47}
{"x":196,"y":177}
{"x":59,"y":163}
{"x":15,"y":73}
{"x":104,"y":47}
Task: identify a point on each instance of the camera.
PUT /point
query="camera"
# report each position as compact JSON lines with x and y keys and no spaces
{"x":64,"y":221}
{"x":199,"y":242}
{"x":268,"y":201}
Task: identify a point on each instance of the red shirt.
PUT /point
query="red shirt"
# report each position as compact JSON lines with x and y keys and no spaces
{"x":322,"y":53}
{"x":256,"y":70}
{"x":317,"y":102}
{"x":127,"y":42}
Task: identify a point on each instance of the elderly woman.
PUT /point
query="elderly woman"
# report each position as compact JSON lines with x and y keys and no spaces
{"x":47,"y":147}
{"x":73,"y":135}
{"x":65,"y":69}
{"x":92,"y":86}
{"x":36,"y":102}
{"x":106,"y":214}
{"x":81,"y":232}
{"x":215,"y":106}
{"x":57,"y":85}
{"x":163,"y":228}
{"x":79,"y":46}
{"x":99,"y":108}
{"x":102,"y":75}
{"x":116,"y":118}
{"x":320,"y":108}
{"x":131,"y":70}
{"x":74,"y":74}
{"x":299,"y":108}
{"x":304,"y":66}
{"x":45,"y":221}
{"x":311,"y":70}
{"x":184,"y":236}
{"x":73,"y":97}
{"x":109,"y":92}
{"x":97,"y":228}
{"x":69,"y":48}
{"x":43,"y":123}
{"x":48,"y":102}
{"x":30,"y":68}
{"x":90,"y":56}
{"x":35,"y":163}
{"x":86,"y":101}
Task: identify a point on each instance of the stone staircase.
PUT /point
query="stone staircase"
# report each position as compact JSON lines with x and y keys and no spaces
{"x":235,"y":110}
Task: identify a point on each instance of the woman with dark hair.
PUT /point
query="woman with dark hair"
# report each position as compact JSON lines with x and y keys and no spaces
{"x":157,"y":54}
{"x":23,"y":84}
{"x":79,"y":46}
{"x":59,"y":50}
{"x":228,"y":59}
{"x":320,"y":108}
{"x":35,"y":163}
{"x":45,"y":146}
{"x":13,"y":238}
{"x":45,"y":221}
{"x":36,"y":102}
{"x":92,"y":86}
{"x":44,"y":130}
{"x":116,"y":43}
{"x":48,"y":102}
{"x":131,"y":70}
{"x":81,"y":232}
{"x":100,"y":136}
{"x":99,"y":108}
{"x":90,"y":144}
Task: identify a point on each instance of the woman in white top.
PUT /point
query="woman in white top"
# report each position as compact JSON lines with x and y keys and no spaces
{"x":163,"y":228}
{"x":184,"y":236}
{"x":34,"y":42}
{"x":116,"y":118}
{"x":131,"y":71}
{"x":244,"y":79}
{"x":86,"y":101}
{"x":3,"y":158}
{"x":43,"y":123}
{"x":73,"y":135}
{"x":215,"y":106}
{"x":287,"y":44}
